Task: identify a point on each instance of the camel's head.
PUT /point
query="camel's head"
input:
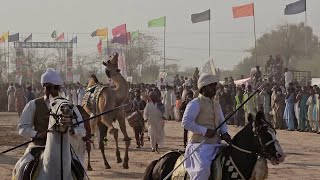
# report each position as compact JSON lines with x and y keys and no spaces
{"x":61,"y":114}
{"x":112,"y":65}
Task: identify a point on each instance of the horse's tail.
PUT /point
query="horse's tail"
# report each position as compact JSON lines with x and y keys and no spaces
{"x":148,"y":173}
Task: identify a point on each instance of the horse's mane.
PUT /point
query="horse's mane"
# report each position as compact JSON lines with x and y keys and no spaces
{"x":245,"y":131}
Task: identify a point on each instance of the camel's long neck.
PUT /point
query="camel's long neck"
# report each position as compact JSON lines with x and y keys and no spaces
{"x":52,"y":156}
{"x":245,"y":162}
{"x":122,"y":88}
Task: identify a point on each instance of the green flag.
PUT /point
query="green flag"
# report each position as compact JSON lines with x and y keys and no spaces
{"x":160,"y":22}
{"x":134,"y":35}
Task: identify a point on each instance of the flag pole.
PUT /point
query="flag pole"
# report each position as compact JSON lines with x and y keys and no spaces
{"x":164,"y":44}
{"x":255,"y":36}
{"x":209,"y":32}
{"x":305,"y":30}
{"x":8,"y":57}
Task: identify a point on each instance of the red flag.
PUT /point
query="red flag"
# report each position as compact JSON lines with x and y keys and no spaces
{"x":119,"y":30}
{"x":99,"y":46}
{"x":243,"y":11}
{"x":60,"y":38}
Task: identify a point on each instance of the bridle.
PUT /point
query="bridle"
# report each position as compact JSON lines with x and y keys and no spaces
{"x":262,"y":152}
{"x":57,"y":116}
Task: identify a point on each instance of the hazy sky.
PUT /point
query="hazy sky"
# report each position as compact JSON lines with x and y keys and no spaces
{"x":185,"y":41}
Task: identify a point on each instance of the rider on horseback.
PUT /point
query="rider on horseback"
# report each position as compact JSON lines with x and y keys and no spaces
{"x":35,"y":116}
{"x":201,"y":117}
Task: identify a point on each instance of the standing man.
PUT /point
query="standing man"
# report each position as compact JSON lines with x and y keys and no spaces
{"x":153,"y":114}
{"x":201,"y":117}
{"x":169,"y":102}
{"x":138,"y":106}
{"x":11,"y":99}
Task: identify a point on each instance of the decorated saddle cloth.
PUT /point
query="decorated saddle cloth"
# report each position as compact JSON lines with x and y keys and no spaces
{"x":27,"y":166}
{"x":91,"y":96}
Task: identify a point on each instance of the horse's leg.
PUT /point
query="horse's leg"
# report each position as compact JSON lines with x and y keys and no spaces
{"x":126,"y":139}
{"x":103,"y":131}
{"x":116,"y":135}
{"x":88,"y":147}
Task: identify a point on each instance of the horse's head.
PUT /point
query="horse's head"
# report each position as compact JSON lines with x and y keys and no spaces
{"x":61,"y":114}
{"x":266,"y":134}
{"x":112,"y":65}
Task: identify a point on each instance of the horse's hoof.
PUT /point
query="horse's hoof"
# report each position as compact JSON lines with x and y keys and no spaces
{"x":119,"y":160}
{"x":125,"y":166}
{"x":89,"y":168}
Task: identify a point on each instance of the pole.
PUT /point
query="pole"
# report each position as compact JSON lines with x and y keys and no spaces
{"x":8,"y":68}
{"x":164,"y":45}
{"x":305,"y":31}
{"x":209,"y":33}
{"x":255,"y":36}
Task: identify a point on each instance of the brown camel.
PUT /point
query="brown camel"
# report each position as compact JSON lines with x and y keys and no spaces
{"x":110,"y":98}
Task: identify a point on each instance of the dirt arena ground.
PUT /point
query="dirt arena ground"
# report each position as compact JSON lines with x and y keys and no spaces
{"x":302,"y":149}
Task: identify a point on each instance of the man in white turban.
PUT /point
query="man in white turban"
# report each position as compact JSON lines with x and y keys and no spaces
{"x":201,"y":118}
{"x":35,"y":117}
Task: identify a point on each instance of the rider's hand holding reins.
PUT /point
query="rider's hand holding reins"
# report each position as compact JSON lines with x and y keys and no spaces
{"x":210,"y":133}
{"x":226,"y":137}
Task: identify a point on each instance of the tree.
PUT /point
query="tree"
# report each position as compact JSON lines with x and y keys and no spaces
{"x":292,"y":42}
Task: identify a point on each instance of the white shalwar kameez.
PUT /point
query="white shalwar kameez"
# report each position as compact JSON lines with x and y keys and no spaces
{"x":198,"y":165}
{"x":155,"y":124}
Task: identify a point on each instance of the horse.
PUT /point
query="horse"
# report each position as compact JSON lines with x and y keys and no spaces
{"x":55,"y":159}
{"x":256,"y":141}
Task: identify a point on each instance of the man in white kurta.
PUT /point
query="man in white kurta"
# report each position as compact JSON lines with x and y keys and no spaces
{"x":32,"y":123}
{"x":169,"y":102}
{"x":154,"y":117}
{"x":201,"y":118}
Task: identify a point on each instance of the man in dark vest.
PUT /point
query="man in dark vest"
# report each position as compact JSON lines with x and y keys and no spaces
{"x":35,"y":116}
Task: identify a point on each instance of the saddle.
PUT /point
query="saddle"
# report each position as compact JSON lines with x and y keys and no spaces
{"x":30,"y":169}
{"x":91,"y":96}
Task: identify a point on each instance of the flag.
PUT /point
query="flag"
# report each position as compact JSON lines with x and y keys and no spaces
{"x":295,"y":8}
{"x":60,"y":38}
{"x":134,"y":35}
{"x":122,"y":39}
{"x":99,"y":46}
{"x":119,"y":30}
{"x":29,"y":38}
{"x":54,"y":34}
{"x":160,"y":22}
{"x":243,"y":11}
{"x":13,"y":37}
{"x":100,"y":32}
{"x":74,"y":40}
{"x":199,"y":17}
{"x":4,"y":37}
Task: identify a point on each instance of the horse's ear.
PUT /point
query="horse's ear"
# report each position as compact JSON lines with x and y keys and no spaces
{"x":250,"y":118}
{"x":51,"y":99}
{"x":259,"y":117}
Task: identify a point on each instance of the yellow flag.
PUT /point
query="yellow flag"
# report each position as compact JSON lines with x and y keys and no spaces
{"x":5,"y":36}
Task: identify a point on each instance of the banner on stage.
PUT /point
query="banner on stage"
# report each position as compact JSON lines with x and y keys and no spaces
{"x":43,"y":44}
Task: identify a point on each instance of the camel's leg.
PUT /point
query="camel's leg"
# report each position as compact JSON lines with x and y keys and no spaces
{"x":116,"y":135}
{"x":103,"y":131}
{"x":122,"y":124}
{"x":88,"y":147}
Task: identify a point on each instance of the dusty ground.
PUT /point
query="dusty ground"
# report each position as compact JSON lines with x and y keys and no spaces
{"x":302,"y":149}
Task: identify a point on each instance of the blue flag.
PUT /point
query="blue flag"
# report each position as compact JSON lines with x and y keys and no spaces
{"x":295,"y":8}
{"x":74,"y":40}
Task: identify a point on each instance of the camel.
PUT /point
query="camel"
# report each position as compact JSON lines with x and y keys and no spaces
{"x":107,"y":99}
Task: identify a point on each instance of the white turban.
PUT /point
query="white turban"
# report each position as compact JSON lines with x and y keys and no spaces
{"x":206,"y":79}
{"x":51,"y":76}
